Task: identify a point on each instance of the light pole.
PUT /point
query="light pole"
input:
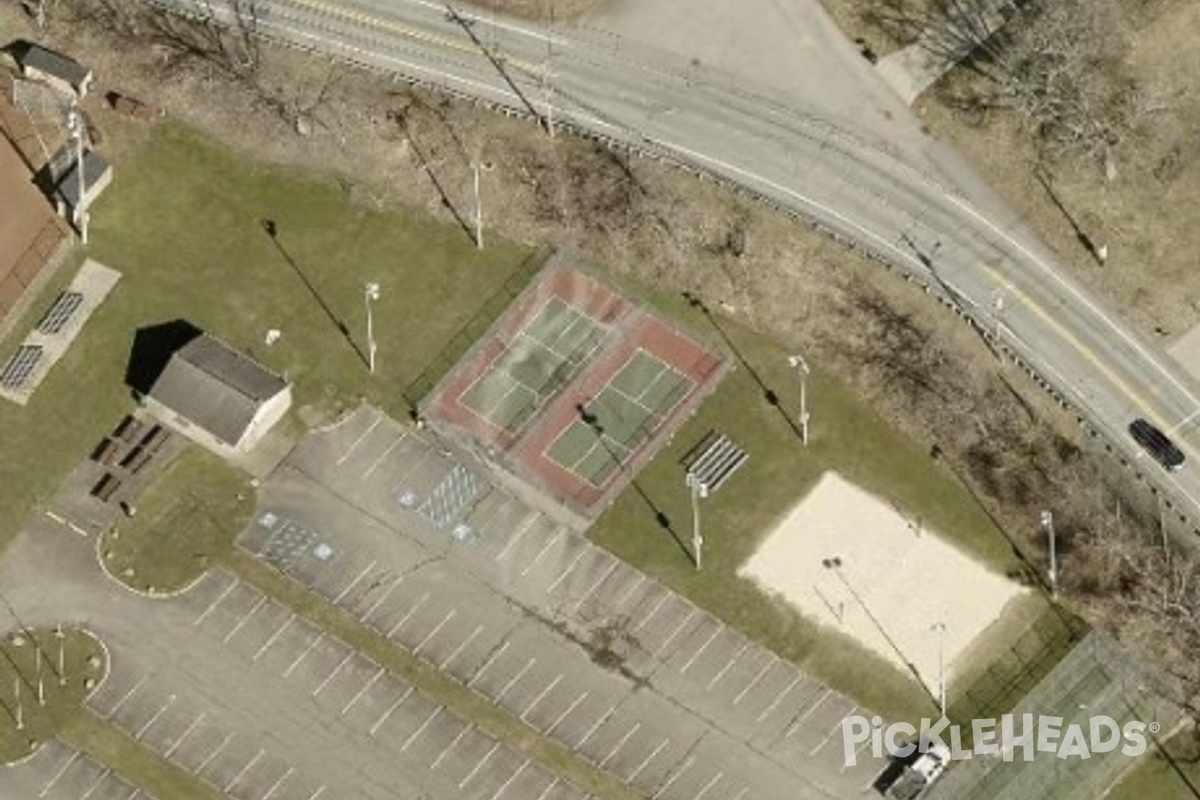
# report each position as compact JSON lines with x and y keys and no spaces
{"x":940,"y":627}
{"x":1048,"y":526}
{"x":798,"y":363}
{"x":370,"y":294}
{"x":699,"y":490}
{"x":997,"y":310}
{"x":79,"y":215}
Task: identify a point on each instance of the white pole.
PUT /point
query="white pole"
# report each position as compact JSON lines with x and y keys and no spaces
{"x":997,"y":309}
{"x":475,"y":167}
{"x":20,"y":709}
{"x":79,"y":212}
{"x":697,"y":538}
{"x":62,"y":672}
{"x":370,"y":294}
{"x":37,"y":660}
{"x":1048,"y":524}
{"x":801,"y":366}
{"x":941,"y":630}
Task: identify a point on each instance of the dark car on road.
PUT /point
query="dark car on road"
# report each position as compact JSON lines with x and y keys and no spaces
{"x":1156,"y":443}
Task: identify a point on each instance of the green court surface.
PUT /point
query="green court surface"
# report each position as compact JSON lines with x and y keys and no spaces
{"x":625,"y":413}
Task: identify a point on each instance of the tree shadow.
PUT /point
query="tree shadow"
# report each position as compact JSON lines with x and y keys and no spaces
{"x":1086,"y":241}
{"x":427,"y":166}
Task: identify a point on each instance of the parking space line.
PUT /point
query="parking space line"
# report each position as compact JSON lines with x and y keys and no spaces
{"x":379,"y":600}
{"x":124,"y":698}
{"x":611,"y":569}
{"x":557,"y":535}
{"x":709,"y":785}
{"x":755,"y":680}
{"x":487,"y":756}
{"x":646,"y":761}
{"x":386,"y":453}
{"x":104,"y":773}
{"x":413,"y":736}
{"x":383,"y":718}
{"x":154,"y":718}
{"x":311,"y":646}
{"x":216,"y":602}
{"x":807,"y":713}
{"x":663,"y":647}
{"x":330,"y":676}
{"x":564,"y":714}
{"x":445,"y":750}
{"x":620,"y":744}
{"x":416,"y":465}
{"x":857,"y":753}
{"x":592,"y":730}
{"x":739,"y":795}
{"x":682,"y":768}
{"x":837,"y":726}
{"x":273,"y":637}
{"x":583,"y":551}
{"x":320,"y":790}
{"x":241,"y":772}
{"x":208,"y":760}
{"x":540,"y":697}
{"x":462,"y":646}
{"x":449,"y":616}
{"x":745,"y":646}
{"x":278,"y":782}
{"x":241,"y":622}
{"x":546,"y":791}
{"x":512,"y":681}
{"x":362,"y":691}
{"x":779,"y":697}
{"x":408,"y":616}
{"x":520,"y":534}
{"x":342,"y":458}
{"x":646,"y":619}
{"x":491,"y":659}
{"x":62,"y":771}
{"x":186,"y":732}
{"x":628,"y":593}
{"x":342,"y":594}
{"x":703,"y":647}
{"x":511,"y":778}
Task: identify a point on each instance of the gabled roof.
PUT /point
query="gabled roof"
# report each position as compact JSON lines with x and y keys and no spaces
{"x":94,"y":167}
{"x":215,"y":387}
{"x":53,"y":63}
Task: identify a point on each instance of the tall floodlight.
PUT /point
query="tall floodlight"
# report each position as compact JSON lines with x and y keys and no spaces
{"x":940,"y":628}
{"x":1048,"y":526}
{"x":20,"y":708}
{"x":62,"y":658}
{"x":801,"y":366}
{"x":79,"y":215}
{"x":699,"y":491}
{"x":475,"y":168}
{"x":37,"y":669}
{"x":370,"y":295}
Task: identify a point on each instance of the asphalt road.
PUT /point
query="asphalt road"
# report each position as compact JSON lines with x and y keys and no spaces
{"x":883,"y":195}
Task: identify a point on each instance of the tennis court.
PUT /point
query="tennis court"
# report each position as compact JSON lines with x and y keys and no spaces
{"x":622,"y":416}
{"x":545,"y":355}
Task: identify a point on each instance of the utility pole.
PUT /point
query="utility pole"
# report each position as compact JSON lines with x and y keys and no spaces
{"x":1048,"y":526}
{"x":61,"y":637}
{"x":940,"y":628}
{"x":37,"y":670}
{"x":699,"y":490}
{"x":475,"y":167}
{"x":20,"y":708}
{"x":370,"y":295}
{"x":997,"y":309}
{"x":798,"y":363}
{"x":79,"y":215}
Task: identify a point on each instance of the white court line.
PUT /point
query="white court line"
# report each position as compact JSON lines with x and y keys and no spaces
{"x":682,"y":768}
{"x":837,"y":726}
{"x":512,"y":681}
{"x":155,"y":717}
{"x":745,"y":646}
{"x":511,"y":778}
{"x":220,"y":747}
{"x":770,"y":663}
{"x":646,"y":619}
{"x":386,"y":453}
{"x":637,"y":725}
{"x":462,"y":646}
{"x":662,"y":647}
{"x":62,"y":770}
{"x":564,"y":714}
{"x":330,"y":676}
{"x":449,"y":616}
{"x":126,"y":696}
{"x":703,"y":647}
{"x":217,"y":601}
{"x":379,"y":600}
{"x":778,"y":697}
{"x":246,"y":618}
{"x":546,"y":791}
{"x":541,"y":696}
{"x":583,"y":551}
{"x":466,"y":729}
{"x":808,"y":713}
{"x":557,"y":535}
{"x":407,"y":616}
{"x":354,"y":582}
{"x":242,"y":772}
{"x":646,"y":761}
{"x":628,"y":593}
{"x":358,"y":696}
{"x":612,"y":568}
{"x":342,"y":458}
{"x":383,"y":718}
{"x":479,"y":766}
{"x":311,"y":646}
{"x":709,"y":785}
{"x":412,"y":737}
{"x":279,"y":782}
{"x":491,"y":659}
{"x":512,"y":542}
{"x":287,"y":623}
{"x":187,"y":732}
{"x":592,"y":730}
{"x":104,"y":773}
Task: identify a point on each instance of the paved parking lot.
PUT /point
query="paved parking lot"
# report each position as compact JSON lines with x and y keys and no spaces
{"x":60,"y":772}
{"x":556,"y":630}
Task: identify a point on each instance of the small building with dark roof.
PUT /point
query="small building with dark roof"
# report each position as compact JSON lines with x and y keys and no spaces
{"x":63,"y":73}
{"x":97,"y":174}
{"x":218,"y":397}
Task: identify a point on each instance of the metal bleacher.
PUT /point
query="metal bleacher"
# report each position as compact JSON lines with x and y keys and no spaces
{"x":61,"y":312}
{"x":20,"y":367}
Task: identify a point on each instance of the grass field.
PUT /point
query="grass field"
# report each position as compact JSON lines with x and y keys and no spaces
{"x":846,"y":436}
{"x":183,"y":223}
{"x":1161,"y":778}
{"x":187,"y":518}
